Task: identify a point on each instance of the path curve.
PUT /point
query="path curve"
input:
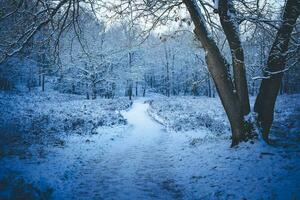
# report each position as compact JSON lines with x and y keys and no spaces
{"x":138,"y":165}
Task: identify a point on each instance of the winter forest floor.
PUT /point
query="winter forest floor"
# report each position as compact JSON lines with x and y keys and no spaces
{"x":59,"y":146}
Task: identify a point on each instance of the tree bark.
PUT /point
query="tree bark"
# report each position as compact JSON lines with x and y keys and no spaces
{"x":209,"y":86}
{"x":218,"y":67}
{"x":144,"y":90}
{"x":268,"y":91}
{"x":136,"y":89}
{"x":130,"y":91}
{"x":230,"y":26}
{"x":167,"y":79}
{"x":94,"y":90}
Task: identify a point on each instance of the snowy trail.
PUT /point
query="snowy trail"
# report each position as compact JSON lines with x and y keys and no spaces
{"x":143,"y":161}
{"x":150,"y":163}
{"x":133,"y":162}
{"x":136,"y":166}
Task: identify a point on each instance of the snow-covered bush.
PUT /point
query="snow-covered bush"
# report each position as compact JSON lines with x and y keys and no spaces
{"x":185,"y":113}
{"x":47,"y":113}
{"x":189,"y":113}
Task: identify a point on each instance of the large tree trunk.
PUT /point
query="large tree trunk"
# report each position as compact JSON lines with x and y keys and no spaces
{"x":268,"y":91}
{"x":218,"y":67}
{"x":230,"y":26}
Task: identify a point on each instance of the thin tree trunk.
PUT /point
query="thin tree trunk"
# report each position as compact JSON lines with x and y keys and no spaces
{"x":73,"y":88}
{"x":167,"y":85}
{"x":218,"y":67}
{"x":172,"y":89}
{"x":87,"y":91}
{"x":94,"y":90}
{"x":136,"y":89}
{"x":130,"y":91}
{"x":230,"y":26}
{"x":268,"y":91}
{"x":43,"y":82}
{"x":144,"y":90}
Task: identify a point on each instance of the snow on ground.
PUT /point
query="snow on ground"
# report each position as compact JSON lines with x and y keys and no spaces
{"x":186,"y":113}
{"x":42,"y":117}
{"x":55,"y":112}
{"x":141,"y":160}
{"x":31,"y":121}
{"x":48,"y":114}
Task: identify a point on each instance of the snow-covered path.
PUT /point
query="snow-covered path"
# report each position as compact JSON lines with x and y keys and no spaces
{"x":136,"y":166}
{"x":143,"y":161}
{"x":146,"y":162}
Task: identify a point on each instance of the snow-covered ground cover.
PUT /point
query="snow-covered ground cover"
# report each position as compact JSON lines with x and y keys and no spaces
{"x":186,"y":113}
{"x":45,"y":117}
{"x":141,"y":160}
{"x":48,"y":112}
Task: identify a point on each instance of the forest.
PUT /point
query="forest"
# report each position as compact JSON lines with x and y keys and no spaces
{"x":150,"y":99}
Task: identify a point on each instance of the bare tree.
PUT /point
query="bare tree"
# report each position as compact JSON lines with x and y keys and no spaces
{"x":26,"y":18}
{"x":219,"y":69}
{"x":230,"y":25}
{"x":217,"y":65}
{"x":265,"y":102}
